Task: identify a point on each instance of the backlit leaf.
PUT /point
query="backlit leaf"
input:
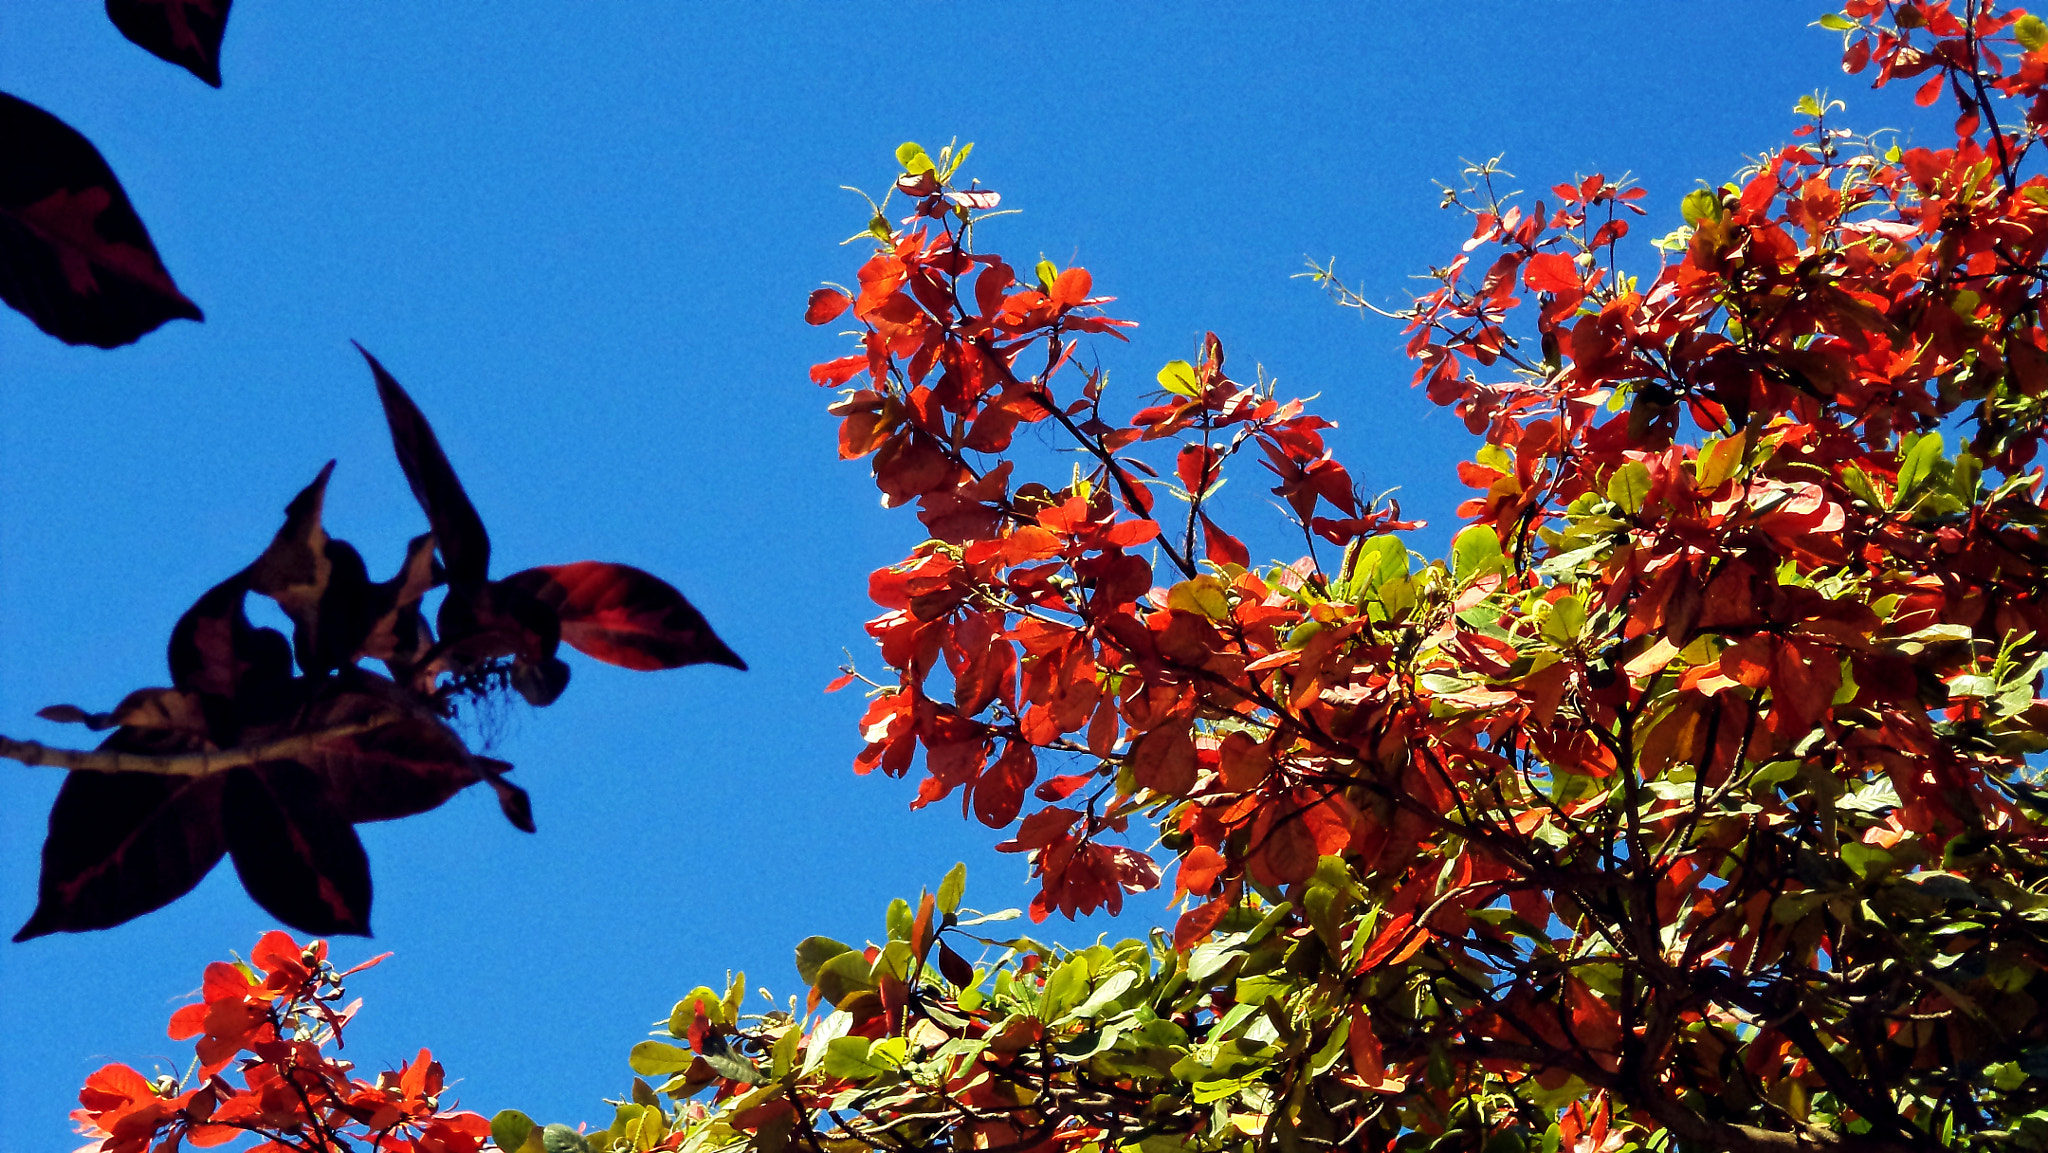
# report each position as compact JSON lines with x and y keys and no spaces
{"x":624,"y":616}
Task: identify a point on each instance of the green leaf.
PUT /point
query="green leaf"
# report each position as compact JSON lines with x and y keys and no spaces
{"x":900,"y":919}
{"x":1629,"y":487}
{"x":1475,"y":553}
{"x":813,"y":952}
{"x":1380,"y":560}
{"x":1063,"y":989}
{"x":911,"y":156}
{"x":834,"y":1026}
{"x":1047,"y":272}
{"x":1105,"y":994}
{"x":1699,"y":205}
{"x":843,"y":976}
{"x":728,"y":1062}
{"x":1921,"y":453}
{"x":659,"y":1059}
{"x":1178,"y":377}
{"x":1836,"y":22}
{"x":680,"y":1017}
{"x":562,"y":1139}
{"x":510,"y":1130}
{"x":1807,"y":105}
{"x":2031,"y":31}
{"x":1566,"y":621}
{"x":955,"y":885}
{"x":953,"y":165}
{"x":852,"y":1058}
{"x":782,"y":1057}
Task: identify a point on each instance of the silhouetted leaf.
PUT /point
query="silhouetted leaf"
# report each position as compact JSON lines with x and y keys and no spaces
{"x":458,"y":531}
{"x":541,"y":682}
{"x":504,"y":619}
{"x":398,"y":634}
{"x":295,"y":569}
{"x":122,"y":844}
{"x":512,"y":800}
{"x":185,"y":32}
{"x":74,"y":257}
{"x":408,"y":763}
{"x":624,"y":616}
{"x":157,"y":711}
{"x":216,"y":652}
{"x":295,"y":851}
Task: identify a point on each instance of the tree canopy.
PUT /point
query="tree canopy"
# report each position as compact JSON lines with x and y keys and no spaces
{"x":1686,"y":804}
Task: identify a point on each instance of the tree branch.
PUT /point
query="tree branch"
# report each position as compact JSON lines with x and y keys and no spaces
{"x":195,"y":764}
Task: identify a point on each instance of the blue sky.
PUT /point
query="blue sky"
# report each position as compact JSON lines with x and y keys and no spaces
{"x":582,"y":236}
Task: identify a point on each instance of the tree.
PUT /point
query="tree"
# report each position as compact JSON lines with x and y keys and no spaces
{"x":278,"y":1008}
{"x":1685,"y":804}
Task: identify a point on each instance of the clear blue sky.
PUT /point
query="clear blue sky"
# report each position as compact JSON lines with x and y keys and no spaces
{"x":582,"y":236}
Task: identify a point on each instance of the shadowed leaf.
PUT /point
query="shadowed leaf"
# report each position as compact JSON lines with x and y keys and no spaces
{"x":74,"y":257}
{"x":398,"y":634}
{"x":624,"y":616}
{"x":296,"y":853}
{"x":185,"y":32}
{"x":409,"y":763}
{"x":458,"y":531}
{"x":158,"y":711}
{"x":216,"y":652}
{"x":122,"y":844}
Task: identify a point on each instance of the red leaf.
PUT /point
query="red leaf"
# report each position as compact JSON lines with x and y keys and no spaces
{"x":1163,"y":760}
{"x":1221,"y":546}
{"x":1199,"y":869}
{"x":1553,"y":272}
{"x":1071,"y":288}
{"x":1062,"y":787}
{"x":839,"y":682}
{"x":1000,"y":791}
{"x":1930,"y":91}
{"x":827,"y":303}
{"x":74,"y":257}
{"x":1198,"y":923}
{"x":624,"y":616}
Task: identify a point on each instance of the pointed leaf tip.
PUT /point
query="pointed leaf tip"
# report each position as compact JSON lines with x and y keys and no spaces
{"x":74,"y":256}
{"x":183,"y":32}
{"x":626,"y":617}
{"x":458,"y":530}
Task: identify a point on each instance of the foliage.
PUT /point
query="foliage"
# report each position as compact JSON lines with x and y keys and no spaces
{"x":74,"y":256}
{"x":1685,"y":804}
{"x":243,"y":756}
{"x":278,"y":1008}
